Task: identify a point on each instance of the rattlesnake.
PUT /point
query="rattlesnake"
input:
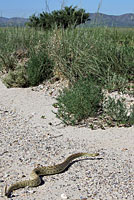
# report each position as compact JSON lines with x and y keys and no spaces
{"x":35,"y":179}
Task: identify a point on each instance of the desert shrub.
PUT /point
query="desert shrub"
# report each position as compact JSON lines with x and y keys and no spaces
{"x":39,"y":67}
{"x":30,"y":73}
{"x":7,"y":61}
{"x":16,"y":78}
{"x":118,"y":111}
{"x":83,"y":100}
{"x":131,"y":116}
{"x":115,"y":82}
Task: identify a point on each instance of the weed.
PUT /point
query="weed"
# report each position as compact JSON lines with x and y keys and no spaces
{"x":131,"y":116}
{"x":39,"y":67}
{"x":83,"y":100}
{"x":16,"y":78}
{"x":115,"y":82}
{"x":118,"y":112}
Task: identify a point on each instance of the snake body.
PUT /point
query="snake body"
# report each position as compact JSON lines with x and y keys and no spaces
{"x":35,"y":179}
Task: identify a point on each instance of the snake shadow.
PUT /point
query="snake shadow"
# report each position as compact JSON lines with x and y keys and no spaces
{"x":67,"y":168}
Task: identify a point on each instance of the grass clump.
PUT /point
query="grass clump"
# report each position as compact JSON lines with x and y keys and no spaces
{"x":98,"y":51}
{"x":39,"y":67}
{"x":83,"y":100}
{"x":29,"y":71}
{"x":24,"y":58}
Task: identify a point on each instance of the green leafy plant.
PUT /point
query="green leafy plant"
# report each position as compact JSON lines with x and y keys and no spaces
{"x":83,"y":100}
{"x":118,"y":112}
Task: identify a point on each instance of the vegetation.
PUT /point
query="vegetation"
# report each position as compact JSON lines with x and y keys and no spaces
{"x":67,"y":17}
{"x":39,"y":67}
{"x":83,"y":100}
{"x":117,"y":111}
{"x":96,"y":19}
{"x":92,"y":60}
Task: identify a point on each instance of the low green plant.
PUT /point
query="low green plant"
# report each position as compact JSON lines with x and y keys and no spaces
{"x":16,"y":78}
{"x":39,"y":67}
{"x":118,"y":112}
{"x":8,"y":62}
{"x":115,"y":82}
{"x":83,"y":100}
{"x":116,"y":109}
{"x":131,"y":116}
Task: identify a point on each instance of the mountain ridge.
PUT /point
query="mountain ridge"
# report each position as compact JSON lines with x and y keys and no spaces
{"x":14,"y":21}
{"x":101,"y":19}
{"x":95,"y":19}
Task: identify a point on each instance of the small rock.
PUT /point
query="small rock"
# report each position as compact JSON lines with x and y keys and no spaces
{"x":63,"y":196}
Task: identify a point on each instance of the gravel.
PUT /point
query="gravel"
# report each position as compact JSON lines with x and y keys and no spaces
{"x":27,"y":141}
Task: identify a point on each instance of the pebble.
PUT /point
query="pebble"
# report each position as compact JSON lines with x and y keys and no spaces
{"x":63,"y":196}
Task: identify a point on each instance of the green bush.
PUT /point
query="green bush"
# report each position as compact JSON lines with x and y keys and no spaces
{"x":16,"y":78}
{"x":83,"y":100}
{"x":67,"y":17}
{"x":131,"y":116}
{"x":39,"y":67}
{"x":118,"y":112}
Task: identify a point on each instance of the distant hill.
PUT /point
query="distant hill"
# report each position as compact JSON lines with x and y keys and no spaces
{"x":96,"y":19}
{"x":15,"y":21}
{"x":100,"y":19}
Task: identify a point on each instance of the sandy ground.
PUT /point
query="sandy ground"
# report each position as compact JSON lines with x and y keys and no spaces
{"x":27,"y":140}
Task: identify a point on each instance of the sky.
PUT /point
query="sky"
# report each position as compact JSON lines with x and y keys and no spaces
{"x":25,"y":8}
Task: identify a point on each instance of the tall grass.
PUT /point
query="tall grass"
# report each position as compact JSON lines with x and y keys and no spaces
{"x":101,"y":52}
{"x":103,"y":55}
{"x":24,"y":53}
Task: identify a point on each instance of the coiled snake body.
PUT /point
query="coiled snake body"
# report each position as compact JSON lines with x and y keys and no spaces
{"x":35,"y":179}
